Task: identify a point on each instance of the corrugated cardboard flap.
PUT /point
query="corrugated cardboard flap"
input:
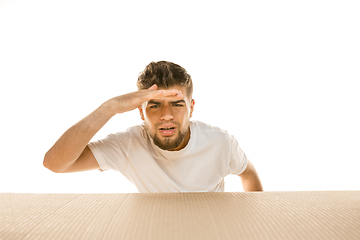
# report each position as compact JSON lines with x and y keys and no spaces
{"x":258,"y":215}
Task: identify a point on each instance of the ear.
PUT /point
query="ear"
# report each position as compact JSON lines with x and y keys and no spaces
{"x":141,"y":113}
{"x":192,"y":107}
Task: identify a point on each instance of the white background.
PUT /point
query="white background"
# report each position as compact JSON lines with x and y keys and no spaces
{"x":282,"y":76}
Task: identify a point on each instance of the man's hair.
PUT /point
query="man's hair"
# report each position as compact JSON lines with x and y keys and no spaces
{"x":165,"y":74}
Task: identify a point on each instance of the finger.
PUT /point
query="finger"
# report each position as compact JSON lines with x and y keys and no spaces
{"x":171,"y":93}
{"x":153,"y":87}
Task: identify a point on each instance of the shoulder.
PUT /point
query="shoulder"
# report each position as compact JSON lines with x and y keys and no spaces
{"x":210,"y":131}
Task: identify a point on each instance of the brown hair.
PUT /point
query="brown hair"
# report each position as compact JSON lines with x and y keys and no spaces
{"x":165,"y":74}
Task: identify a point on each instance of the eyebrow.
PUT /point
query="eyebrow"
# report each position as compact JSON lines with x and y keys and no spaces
{"x":174,"y":102}
{"x":154,"y":102}
{"x":179,"y":101}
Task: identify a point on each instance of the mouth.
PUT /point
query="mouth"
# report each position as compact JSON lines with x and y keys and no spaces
{"x":167,"y":131}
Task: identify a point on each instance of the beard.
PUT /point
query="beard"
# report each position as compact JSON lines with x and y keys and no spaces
{"x":167,"y":142}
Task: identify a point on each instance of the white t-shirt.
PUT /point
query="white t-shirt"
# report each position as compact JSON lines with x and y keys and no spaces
{"x":210,"y":155}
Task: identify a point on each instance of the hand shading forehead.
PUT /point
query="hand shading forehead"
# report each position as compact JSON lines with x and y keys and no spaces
{"x":183,"y":89}
{"x":170,"y":100}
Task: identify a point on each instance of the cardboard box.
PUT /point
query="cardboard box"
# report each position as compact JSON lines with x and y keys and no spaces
{"x":158,"y":216}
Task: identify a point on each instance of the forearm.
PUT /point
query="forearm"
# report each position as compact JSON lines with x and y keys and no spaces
{"x":252,"y":184}
{"x":250,"y":179}
{"x":72,"y":143}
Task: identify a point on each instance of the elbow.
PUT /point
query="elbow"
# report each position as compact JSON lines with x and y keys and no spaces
{"x":49,"y":163}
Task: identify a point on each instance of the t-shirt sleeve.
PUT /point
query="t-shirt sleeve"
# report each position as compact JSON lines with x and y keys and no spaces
{"x":109,"y":153}
{"x":238,"y":159}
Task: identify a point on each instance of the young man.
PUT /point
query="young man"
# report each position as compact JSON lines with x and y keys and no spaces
{"x":168,"y":152}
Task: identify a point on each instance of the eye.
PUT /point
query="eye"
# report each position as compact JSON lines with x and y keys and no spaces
{"x":178,"y":105}
{"x":154,"y":106}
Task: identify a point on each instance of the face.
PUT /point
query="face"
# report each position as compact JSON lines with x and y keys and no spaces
{"x":167,"y":120}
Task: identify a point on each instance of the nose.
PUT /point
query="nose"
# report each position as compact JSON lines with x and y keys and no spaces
{"x":166,"y":114}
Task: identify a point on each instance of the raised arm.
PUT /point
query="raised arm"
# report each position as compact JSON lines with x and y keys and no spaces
{"x":70,"y":154}
{"x":250,"y":179}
